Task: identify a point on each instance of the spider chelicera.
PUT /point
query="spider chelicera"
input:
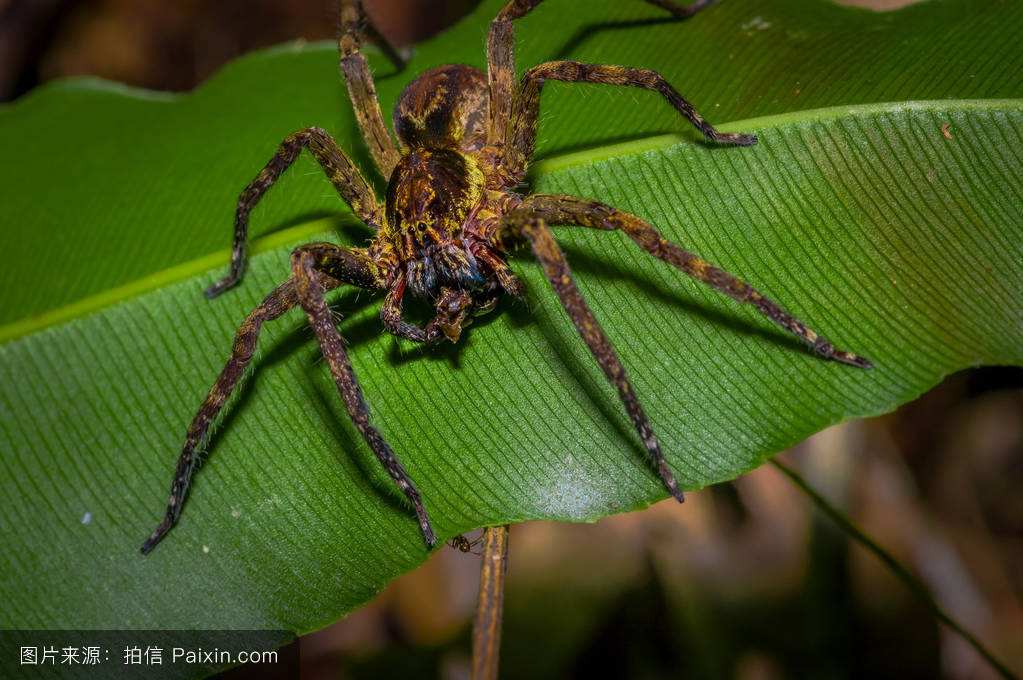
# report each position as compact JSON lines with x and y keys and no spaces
{"x":465,"y":139}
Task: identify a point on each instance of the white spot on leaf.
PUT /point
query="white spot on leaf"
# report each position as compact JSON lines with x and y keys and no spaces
{"x":755,"y":24}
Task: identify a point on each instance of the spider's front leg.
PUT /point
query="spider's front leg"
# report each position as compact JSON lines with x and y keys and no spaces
{"x":340,"y":170}
{"x":335,"y":266}
{"x":524,"y":224}
{"x":310,"y":291}
{"x":573,"y":210}
{"x":273,"y":306}
{"x":390,"y":315}
{"x":501,"y":58}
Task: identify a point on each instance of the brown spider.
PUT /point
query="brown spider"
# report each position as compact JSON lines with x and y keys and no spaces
{"x":465,"y":139}
{"x":466,"y":545}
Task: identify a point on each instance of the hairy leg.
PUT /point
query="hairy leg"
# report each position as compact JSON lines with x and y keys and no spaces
{"x":522,"y":128}
{"x":556,"y":268}
{"x":361,"y":89}
{"x":501,"y":58}
{"x":276,"y":303}
{"x":572,"y":210}
{"x":310,"y":291}
{"x":340,"y":170}
{"x":335,"y":266}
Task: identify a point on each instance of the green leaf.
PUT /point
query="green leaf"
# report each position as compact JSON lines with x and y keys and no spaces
{"x":890,"y":238}
{"x":141,"y":181}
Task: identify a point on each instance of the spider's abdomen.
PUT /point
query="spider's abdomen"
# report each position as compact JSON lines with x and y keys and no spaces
{"x":445,"y":107}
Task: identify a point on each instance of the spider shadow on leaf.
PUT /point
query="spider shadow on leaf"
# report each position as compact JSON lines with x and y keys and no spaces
{"x":343,"y":223}
{"x":570,"y":50}
{"x":402,"y":353}
{"x":588,"y":31}
{"x":684,"y":137}
{"x":585,"y":262}
{"x":277,"y":350}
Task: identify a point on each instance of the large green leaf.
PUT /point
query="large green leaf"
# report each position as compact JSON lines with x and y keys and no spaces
{"x":95,"y":174}
{"x":896,"y":241}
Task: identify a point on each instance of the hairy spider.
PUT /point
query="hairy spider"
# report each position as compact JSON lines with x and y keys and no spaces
{"x":465,"y":139}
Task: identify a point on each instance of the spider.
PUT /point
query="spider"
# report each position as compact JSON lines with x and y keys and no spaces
{"x":465,"y":139}
{"x":466,"y":545}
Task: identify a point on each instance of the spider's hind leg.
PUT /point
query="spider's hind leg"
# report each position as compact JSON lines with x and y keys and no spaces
{"x":361,"y":88}
{"x":556,"y":268}
{"x":501,"y":57}
{"x":572,"y":210}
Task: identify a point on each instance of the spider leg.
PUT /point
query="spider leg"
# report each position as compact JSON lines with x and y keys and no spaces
{"x":361,"y":89}
{"x":522,"y":127}
{"x":501,"y":58}
{"x":310,"y":291}
{"x":556,"y":268}
{"x":276,"y":303}
{"x":340,"y":170}
{"x":337,"y":266}
{"x":572,"y":210}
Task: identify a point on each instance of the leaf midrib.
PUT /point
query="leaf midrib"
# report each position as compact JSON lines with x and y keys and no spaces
{"x":194,"y":267}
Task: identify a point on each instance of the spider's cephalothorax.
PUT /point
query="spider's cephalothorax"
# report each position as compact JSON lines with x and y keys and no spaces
{"x":445,"y":201}
{"x":465,"y":140}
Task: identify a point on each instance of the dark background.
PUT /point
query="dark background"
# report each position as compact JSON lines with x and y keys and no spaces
{"x":746,"y":580}
{"x":176,"y":44}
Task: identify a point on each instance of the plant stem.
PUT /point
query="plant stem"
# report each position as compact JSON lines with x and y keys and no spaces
{"x":901,"y":572}
{"x":486,"y":630}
